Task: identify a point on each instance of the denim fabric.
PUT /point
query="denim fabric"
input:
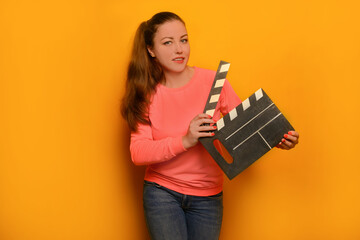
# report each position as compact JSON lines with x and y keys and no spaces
{"x":174,"y":216}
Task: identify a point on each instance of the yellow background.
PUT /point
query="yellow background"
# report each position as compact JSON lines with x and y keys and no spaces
{"x":65,"y":170}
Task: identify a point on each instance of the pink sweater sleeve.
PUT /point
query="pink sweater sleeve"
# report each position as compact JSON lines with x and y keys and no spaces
{"x":228,"y":99}
{"x":145,"y":150}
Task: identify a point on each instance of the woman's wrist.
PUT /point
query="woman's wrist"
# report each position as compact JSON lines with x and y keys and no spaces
{"x":186,"y":142}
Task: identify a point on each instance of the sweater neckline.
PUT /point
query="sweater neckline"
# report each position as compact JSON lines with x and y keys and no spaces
{"x":188,"y":84}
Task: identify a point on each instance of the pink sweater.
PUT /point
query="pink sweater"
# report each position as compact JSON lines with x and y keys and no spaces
{"x":159,"y":145}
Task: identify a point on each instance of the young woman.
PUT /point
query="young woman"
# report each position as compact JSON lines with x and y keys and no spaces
{"x":163,"y":106}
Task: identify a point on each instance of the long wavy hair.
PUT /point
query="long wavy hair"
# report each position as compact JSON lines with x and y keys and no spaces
{"x":144,"y":72}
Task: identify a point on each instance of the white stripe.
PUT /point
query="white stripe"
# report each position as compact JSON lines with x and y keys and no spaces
{"x":259,"y":94}
{"x":219,"y":83}
{"x":257,"y":131}
{"x":220,"y":124}
{"x":214,"y":98}
{"x":264,"y":140}
{"x":246,"y":104}
{"x":233,"y":114}
{"x":249,"y":121}
{"x":225,"y":68}
{"x":210,"y":112}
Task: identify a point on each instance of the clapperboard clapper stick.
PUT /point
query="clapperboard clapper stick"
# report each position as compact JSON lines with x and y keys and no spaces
{"x":247,"y":132}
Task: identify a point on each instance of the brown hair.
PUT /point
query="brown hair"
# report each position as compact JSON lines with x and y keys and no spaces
{"x":144,"y":72}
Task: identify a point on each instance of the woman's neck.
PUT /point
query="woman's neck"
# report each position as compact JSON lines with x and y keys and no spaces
{"x":176,"y":80}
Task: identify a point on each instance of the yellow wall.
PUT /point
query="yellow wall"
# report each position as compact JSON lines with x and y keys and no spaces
{"x":65,"y":171}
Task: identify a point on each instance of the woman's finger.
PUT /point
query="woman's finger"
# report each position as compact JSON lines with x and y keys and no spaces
{"x":294,"y":133}
{"x":287,"y":143}
{"x":204,"y":128}
{"x":291,"y":138}
{"x":205,"y":134}
{"x":283,"y":146}
{"x":203,"y":115}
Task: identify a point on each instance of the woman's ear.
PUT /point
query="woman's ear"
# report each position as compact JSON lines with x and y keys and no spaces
{"x":152,"y":54}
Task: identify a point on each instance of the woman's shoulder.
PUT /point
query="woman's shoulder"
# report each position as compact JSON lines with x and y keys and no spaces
{"x":205,"y":71}
{"x":205,"y":75}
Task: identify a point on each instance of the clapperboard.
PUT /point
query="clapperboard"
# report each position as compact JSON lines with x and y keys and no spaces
{"x":247,"y":132}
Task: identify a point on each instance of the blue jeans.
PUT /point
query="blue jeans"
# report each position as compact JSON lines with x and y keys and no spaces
{"x":174,"y":216}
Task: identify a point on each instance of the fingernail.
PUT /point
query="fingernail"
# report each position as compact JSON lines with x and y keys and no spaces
{"x":289,"y":133}
{"x":214,"y":127}
{"x":285,"y":135}
{"x":283,"y":140}
{"x":209,"y":116}
{"x":212,"y":134}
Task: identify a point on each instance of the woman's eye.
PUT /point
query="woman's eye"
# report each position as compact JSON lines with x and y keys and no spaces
{"x":184,"y":40}
{"x":167,"y":43}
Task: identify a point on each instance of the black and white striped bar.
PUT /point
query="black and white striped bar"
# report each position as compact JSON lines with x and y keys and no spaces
{"x":248,"y":132}
{"x":216,"y":88}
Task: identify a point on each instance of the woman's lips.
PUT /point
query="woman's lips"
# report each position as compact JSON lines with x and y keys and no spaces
{"x":179,"y":60}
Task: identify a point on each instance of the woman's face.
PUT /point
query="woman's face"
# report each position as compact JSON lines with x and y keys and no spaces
{"x":171,"y":47}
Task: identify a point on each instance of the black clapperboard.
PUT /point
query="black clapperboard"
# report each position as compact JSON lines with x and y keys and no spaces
{"x":247,"y":132}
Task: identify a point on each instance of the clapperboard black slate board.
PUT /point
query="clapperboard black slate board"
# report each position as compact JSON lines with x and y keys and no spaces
{"x":248,"y":131}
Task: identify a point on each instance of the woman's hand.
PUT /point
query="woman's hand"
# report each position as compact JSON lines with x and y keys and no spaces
{"x":197,"y":129}
{"x":289,"y":141}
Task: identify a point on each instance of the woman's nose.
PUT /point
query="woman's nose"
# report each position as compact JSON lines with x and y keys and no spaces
{"x":178,"y":48}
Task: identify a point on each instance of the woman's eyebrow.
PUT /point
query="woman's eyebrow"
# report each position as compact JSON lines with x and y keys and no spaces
{"x":185,"y":35}
{"x":166,"y":37}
